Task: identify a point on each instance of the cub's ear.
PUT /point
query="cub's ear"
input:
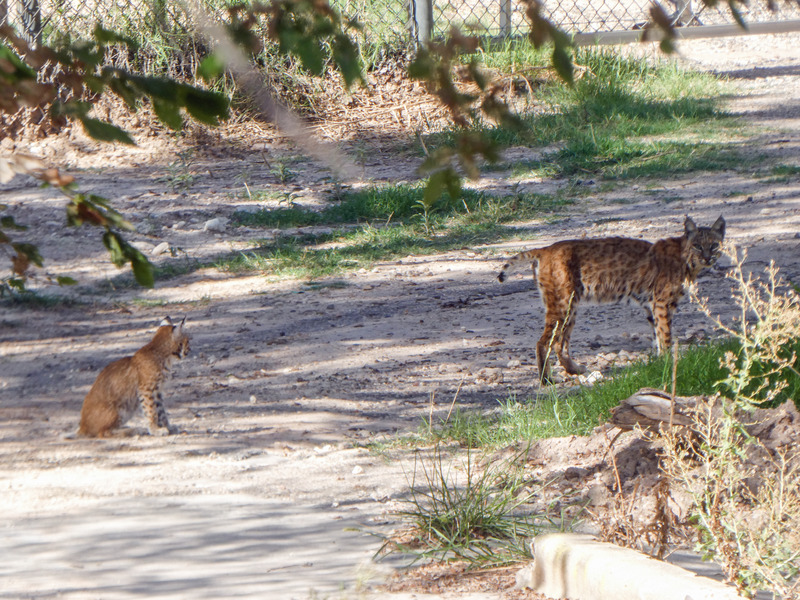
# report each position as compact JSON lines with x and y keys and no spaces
{"x":719,"y":226}
{"x":166,"y":321}
{"x":688,"y":226}
{"x":180,"y":325}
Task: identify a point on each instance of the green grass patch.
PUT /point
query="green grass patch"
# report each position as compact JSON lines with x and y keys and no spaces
{"x":553,"y":415}
{"x":303,"y":257}
{"x":473,"y":513}
{"x":779,"y":174}
{"x":34,"y":299}
{"x":401,"y":228}
{"x":385,"y":203}
{"x":403,"y":204}
{"x":623,"y":119}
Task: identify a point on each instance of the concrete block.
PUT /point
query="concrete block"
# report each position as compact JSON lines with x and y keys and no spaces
{"x":578,"y":567}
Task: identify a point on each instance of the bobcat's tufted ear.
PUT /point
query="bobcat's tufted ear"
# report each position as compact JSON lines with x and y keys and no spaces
{"x":689,"y":226}
{"x":180,"y":325}
{"x":719,"y":227}
{"x":166,"y":321}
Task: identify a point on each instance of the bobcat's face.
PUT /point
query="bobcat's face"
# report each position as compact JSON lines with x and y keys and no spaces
{"x":705,"y":244}
{"x":182,"y":347}
{"x":180,"y":341}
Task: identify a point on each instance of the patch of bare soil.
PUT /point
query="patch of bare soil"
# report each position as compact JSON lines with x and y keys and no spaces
{"x":269,"y":488}
{"x":458,"y":580}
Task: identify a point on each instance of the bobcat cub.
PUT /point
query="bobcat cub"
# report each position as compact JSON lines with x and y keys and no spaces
{"x":612,"y":269}
{"x":126,"y":382}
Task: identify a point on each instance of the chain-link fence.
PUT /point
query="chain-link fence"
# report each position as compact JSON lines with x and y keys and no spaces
{"x":507,"y":17}
{"x":385,"y":21}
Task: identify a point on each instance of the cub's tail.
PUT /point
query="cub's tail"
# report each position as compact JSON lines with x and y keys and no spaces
{"x":529,"y":257}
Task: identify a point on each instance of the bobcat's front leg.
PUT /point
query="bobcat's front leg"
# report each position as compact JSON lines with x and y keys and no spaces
{"x":662,"y":325}
{"x":163,"y":421}
{"x":153,"y":407}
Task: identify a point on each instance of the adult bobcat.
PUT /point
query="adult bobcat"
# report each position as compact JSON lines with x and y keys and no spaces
{"x":127,"y":382}
{"x":612,"y":269}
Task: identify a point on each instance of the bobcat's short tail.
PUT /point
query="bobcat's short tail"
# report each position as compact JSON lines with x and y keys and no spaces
{"x":529,"y":257}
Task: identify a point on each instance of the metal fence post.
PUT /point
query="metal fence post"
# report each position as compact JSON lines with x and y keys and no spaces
{"x":505,"y":17}
{"x":422,"y":19}
{"x":31,"y":17}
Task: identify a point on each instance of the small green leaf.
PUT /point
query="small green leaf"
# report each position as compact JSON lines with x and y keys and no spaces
{"x":206,"y":106}
{"x":16,"y":282}
{"x":453,"y":183}
{"x":105,"y":132}
{"x":12,"y":67}
{"x":168,"y":113}
{"x":64,"y":280}
{"x":737,"y":15}
{"x":74,"y":108}
{"x":107,"y":36}
{"x":122,"y":252}
{"x":562,"y":63}
{"x":667,"y":45}
{"x":345,"y":55}
{"x":433,"y":191}
{"x":211,"y":67}
{"x":423,"y":66}
{"x":310,"y":55}
{"x":113,"y":242}
{"x":31,"y":251}
{"x":158,"y":87}
{"x":9,"y":223}
{"x":125,"y":89}
{"x":142,"y":270}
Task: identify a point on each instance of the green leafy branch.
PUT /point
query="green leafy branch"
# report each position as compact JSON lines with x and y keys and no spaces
{"x":66,"y":79}
{"x":310,"y":30}
{"x":81,"y":209}
{"x":433,"y":65}
{"x":96,"y":210}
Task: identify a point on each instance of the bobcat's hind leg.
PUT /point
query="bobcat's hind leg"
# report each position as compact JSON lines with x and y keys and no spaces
{"x":569,"y":365}
{"x":544,"y":348}
{"x":559,"y":321}
{"x":555,"y":342}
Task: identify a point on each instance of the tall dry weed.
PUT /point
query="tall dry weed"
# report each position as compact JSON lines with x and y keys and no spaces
{"x":745,"y":490}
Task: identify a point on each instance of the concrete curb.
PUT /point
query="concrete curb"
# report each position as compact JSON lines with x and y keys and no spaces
{"x":578,"y":567}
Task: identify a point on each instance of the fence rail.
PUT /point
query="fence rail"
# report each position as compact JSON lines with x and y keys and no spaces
{"x":589,"y":21}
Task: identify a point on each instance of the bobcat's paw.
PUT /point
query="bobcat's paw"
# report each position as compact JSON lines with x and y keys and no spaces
{"x":159,"y":431}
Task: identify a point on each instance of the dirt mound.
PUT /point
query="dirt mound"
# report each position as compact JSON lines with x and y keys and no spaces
{"x":618,"y":476}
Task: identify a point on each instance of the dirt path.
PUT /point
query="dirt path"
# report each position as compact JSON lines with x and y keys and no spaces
{"x":263,"y":490}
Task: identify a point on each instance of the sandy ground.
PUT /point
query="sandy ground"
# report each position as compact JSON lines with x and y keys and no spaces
{"x":269,"y":491}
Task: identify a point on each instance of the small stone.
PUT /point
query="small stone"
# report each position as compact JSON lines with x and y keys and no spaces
{"x":575,"y":473}
{"x":591,"y":378}
{"x":216,"y":225}
{"x":162,"y":248}
{"x":253,"y":399}
{"x":358,"y":470}
{"x":599,"y":495}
